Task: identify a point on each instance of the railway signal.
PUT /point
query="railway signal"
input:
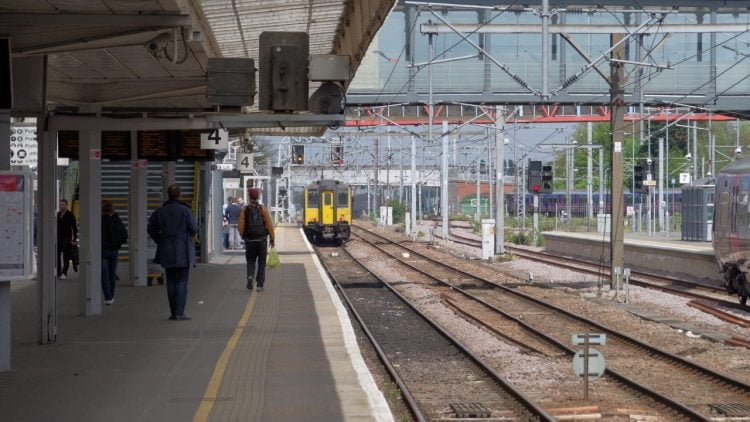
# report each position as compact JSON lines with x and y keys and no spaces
{"x":637,"y":178}
{"x":547,"y":182}
{"x":298,"y":154}
{"x":535,"y":176}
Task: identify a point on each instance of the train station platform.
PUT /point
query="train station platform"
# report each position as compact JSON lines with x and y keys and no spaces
{"x":693,"y":260}
{"x":287,"y":353}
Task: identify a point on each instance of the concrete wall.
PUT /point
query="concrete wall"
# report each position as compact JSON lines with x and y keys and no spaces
{"x":691,"y":265}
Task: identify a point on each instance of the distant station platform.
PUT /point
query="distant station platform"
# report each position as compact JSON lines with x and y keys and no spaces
{"x":658,"y":253}
{"x":287,"y":353}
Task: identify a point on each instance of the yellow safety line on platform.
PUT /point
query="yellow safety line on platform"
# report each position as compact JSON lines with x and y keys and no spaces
{"x":212,"y":390}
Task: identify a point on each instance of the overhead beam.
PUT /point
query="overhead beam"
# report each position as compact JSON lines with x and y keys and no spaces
{"x":738,"y":103}
{"x":110,"y":40}
{"x":585,"y":28}
{"x":71,"y":92}
{"x":583,"y":54}
{"x":703,"y":4}
{"x":93,"y":19}
{"x":225,"y":121}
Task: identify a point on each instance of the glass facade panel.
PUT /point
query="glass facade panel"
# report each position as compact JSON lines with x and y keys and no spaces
{"x":385,"y":68}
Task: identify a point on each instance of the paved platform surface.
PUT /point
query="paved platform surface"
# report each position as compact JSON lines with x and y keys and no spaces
{"x":658,"y":254}
{"x":659,"y":241}
{"x":282,"y":354}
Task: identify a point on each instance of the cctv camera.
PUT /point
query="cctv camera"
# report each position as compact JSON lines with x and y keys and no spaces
{"x":689,"y":156}
{"x":738,"y":150}
{"x":506,"y":141}
{"x":157,"y":44}
{"x":649,"y":161}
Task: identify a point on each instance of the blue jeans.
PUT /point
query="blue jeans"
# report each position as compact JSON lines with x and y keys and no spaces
{"x":177,"y":281}
{"x":109,"y":273}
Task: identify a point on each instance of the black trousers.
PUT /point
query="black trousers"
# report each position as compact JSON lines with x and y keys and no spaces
{"x":255,"y":255}
{"x":63,"y":256}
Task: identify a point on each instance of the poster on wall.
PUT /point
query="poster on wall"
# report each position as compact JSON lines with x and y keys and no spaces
{"x":16,"y":231}
{"x":23,"y":146}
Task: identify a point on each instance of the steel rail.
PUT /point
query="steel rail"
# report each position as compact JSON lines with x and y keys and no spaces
{"x":549,"y":258}
{"x":410,"y":401}
{"x":528,"y":405}
{"x":673,"y":404}
{"x":737,"y":383}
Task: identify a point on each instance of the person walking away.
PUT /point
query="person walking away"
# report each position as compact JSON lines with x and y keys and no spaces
{"x":114,"y":235}
{"x":256,"y":228}
{"x":67,"y":232}
{"x":232,"y":214}
{"x":172,"y":227}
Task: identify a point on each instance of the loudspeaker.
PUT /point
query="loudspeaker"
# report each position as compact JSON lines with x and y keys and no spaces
{"x":328,"y":99}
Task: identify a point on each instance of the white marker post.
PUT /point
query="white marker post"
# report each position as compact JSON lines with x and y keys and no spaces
{"x":488,"y":238}
{"x":589,"y":362}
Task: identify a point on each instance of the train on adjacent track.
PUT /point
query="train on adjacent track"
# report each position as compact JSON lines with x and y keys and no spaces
{"x":731,"y":230}
{"x":327,"y":211}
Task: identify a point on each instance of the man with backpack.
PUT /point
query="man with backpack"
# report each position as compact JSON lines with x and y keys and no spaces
{"x":255,"y":227}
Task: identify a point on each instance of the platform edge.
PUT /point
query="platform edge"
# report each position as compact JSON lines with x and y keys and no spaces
{"x":381,"y":411}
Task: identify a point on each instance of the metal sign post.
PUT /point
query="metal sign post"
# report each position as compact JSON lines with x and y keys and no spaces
{"x":588,"y":363}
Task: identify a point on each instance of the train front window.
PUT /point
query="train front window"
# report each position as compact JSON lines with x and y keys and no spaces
{"x":343,"y":200}
{"x":313,"y":199}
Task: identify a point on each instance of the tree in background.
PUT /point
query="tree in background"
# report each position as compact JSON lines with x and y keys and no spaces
{"x":636,"y":151}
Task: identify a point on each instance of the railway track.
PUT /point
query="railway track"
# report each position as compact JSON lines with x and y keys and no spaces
{"x":686,"y":288}
{"x":431,"y":368}
{"x":627,"y":355}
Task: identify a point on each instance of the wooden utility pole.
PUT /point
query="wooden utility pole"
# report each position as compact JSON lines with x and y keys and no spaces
{"x":617,"y":125}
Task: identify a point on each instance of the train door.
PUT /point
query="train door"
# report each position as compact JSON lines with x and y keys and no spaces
{"x":327,"y":208}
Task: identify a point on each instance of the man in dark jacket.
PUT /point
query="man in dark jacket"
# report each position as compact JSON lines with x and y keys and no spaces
{"x":172,"y":227}
{"x":67,"y":232}
{"x":114,"y":234}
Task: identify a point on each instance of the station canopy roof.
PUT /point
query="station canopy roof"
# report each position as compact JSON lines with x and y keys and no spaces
{"x":97,"y":57}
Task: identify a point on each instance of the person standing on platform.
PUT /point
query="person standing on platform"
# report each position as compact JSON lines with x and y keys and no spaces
{"x":67,"y":232}
{"x":114,"y":235}
{"x":224,"y":223}
{"x":232,"y":214}
{"x":172,"y":227}
{"x":256,"y":228}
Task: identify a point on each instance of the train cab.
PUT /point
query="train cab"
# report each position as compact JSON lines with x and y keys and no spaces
{"x":327,"y":210}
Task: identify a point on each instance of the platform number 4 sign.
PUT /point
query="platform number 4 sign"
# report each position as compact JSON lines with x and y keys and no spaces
{"x":215,"y":139}
{"x":245,"y":163}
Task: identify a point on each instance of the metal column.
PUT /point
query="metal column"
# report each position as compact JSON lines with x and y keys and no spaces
{"x":545,"y":49}
{"x":90,"y":222}
{"x":601,"y":181}
{"x":444,"y":184}
{"x":413,"y":185}
{"x":617,"y":122}
{"x":137,"y":217}
{"x":499,"y":181}
{"x":589,"y":170}
{"x":5,"y":300}
{"x":694,"y":161}
{"x":478,"y":211}
{"x":660,"y":206}
{"x":47,"y":231}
